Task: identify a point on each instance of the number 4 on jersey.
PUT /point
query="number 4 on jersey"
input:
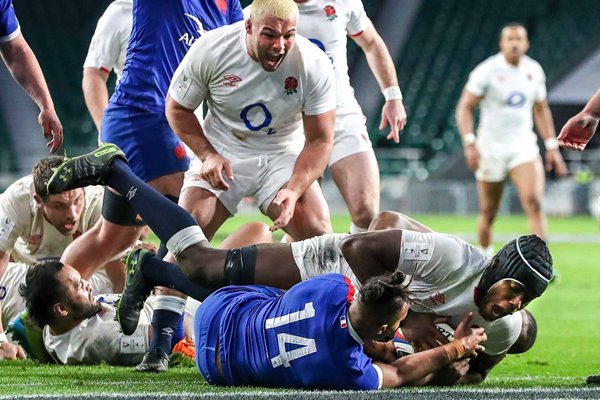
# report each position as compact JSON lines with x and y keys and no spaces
{"x":307,"y":345}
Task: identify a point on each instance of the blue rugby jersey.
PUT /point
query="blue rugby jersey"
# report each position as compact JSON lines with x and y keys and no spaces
{"x":162,"y":33}
{"x":300,"y":338}
{"x":8,"y":21}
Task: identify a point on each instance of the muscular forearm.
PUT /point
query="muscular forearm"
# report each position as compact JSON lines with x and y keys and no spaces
{"x":185,"y":124}
{"x":309,"y":166}
{"x":381,"y":63}
{"x":464,"y":119}
{"x":593,"y":106}
{"x":24,"y":67}
{"x":543,"y":120}
{"x":95,"y":93}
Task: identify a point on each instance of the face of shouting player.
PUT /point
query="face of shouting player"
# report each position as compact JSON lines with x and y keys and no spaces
{"x":504,"y":298}
{"x":269,"y":39}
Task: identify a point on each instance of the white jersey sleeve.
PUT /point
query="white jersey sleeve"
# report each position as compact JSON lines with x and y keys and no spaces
{"x":15,"y":216}
{"x":320,"y":81}
{"x":502,"y":334}
{"x":189,"y":86}
{"x":541,"y":93}
{"x":432,"y":257}
{"x":108,"y":47}
{"x":478,"y":80}
{"x":358,"y":20}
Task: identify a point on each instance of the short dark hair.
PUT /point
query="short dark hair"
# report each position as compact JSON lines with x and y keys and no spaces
{"x":527,"y":336}
{"x":42,"y":171}
{"x":512,"y":24}
{"x":387,"y":291}
{"x":42,"y":289}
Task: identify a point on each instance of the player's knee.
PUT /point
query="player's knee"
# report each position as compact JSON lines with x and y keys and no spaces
{"x":363,"y":216}
{"x":532,"y":205}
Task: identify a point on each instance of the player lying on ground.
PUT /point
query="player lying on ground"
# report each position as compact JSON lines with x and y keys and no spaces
{"x":445,"y":271}
{"x":79,"y":328}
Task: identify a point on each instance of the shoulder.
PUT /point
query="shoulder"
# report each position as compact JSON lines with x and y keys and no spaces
{"x":533,"y":64}
{"x":19,"y":191}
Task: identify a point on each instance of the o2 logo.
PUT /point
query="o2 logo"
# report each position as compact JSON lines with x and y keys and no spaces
{"x":256,"y":117}
{"x":515,"y":99}
{"x":320,"y":45}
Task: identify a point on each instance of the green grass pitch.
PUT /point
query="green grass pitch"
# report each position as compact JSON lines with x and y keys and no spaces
{"x":567,"y":350}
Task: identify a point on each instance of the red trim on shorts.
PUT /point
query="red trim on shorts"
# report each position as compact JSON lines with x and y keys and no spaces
{"x":351,"y":290}
{"x":357,"y":34}
{"x":105,"y":70}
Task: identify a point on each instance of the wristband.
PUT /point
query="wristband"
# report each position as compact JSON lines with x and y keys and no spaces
{"x":468,"y":139}
{"x":392,"y":93}
{"x":454,"y":350}
{"x":551,"y":144}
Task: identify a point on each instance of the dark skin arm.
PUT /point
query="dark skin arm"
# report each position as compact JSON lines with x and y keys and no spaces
{"x":372,"y":253}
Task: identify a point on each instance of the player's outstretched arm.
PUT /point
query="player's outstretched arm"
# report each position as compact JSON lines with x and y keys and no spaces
{"x":216,"y":169}
{"x":309,"y":166}
{"x":578,"y":130}
{"x":95,"y":93}
{"x":24,"y":67}
{"x":414,"y":368}
{"x":382,"y":65}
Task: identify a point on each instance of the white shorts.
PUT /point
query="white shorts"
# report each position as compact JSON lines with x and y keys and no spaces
{"x":351,"y":136}
{"x":14,"y":276}
{"x":498,"y":159}
{"x":260,"y":177}
{"x":322,"y":255}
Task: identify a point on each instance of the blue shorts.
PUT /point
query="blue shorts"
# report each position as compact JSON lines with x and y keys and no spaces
{"x":152,"y":148}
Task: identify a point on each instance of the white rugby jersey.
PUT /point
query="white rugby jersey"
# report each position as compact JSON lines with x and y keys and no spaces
{"x":97,"y":339}
{"x":27,"y":235}
{"x":509,"y":93}
{"x":108,"y":47}
{"x":253,"y":111}
{"x":444,"y":272}
{"x":327,"y":24}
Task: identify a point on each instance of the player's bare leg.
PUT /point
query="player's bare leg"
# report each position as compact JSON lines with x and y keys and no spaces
{"x":311,"y":215}
{"x":529,"y":180}
{"x":206,"y":209}
{"x":490,"y":194}
{"x":357,"y":178}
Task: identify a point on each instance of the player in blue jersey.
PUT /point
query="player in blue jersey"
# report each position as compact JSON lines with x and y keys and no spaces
{"x":24,"y":67}
{"x":161,"y":35}
{"x":447,"y":273}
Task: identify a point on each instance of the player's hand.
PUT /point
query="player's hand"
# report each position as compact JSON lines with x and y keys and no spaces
{"x":470,"y":336}
{"x":419,"y":329}
{"x":394,"y":115}
{"x":578,"y":131}
{"x":554,"y":161}
{"x":214,"y":166}
{"x":51,"y":128}
{"x":472,"y":156}
{"x":286,"y":201}
{"x":11,"y":351}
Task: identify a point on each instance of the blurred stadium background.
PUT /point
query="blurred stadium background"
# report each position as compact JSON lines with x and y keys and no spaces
{"x":435,"y":43}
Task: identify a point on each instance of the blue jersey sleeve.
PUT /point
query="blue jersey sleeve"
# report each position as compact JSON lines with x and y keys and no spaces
{"x":9,"y":26}
{"x":235,"y":12}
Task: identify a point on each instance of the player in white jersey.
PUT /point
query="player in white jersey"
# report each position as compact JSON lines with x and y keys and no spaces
{"x":353,"y":165}
{"x":106,"y":52}
{"x":34,"y":224}
{"x":263,"y":85}
{"x":507,"y":87}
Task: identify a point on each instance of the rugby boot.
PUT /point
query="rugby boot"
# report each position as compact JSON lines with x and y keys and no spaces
{"x":85,"y":170}
{"x":136,"y":291}
{"x":155,"y":360}
{"x":593,"y":379}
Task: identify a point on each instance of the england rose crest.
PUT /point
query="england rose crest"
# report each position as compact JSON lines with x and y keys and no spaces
{"x":291,"y":84}
{"x":330,"y":12}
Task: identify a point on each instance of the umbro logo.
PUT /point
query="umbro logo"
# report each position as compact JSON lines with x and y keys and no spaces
{"x":438,"y":298}
{"x":231,"y":80}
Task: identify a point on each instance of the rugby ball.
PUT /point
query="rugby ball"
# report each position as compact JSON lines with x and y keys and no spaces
{"x":403,"y":346}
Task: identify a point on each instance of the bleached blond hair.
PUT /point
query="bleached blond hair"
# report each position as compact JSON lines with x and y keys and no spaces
{"x":281,"y":9}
